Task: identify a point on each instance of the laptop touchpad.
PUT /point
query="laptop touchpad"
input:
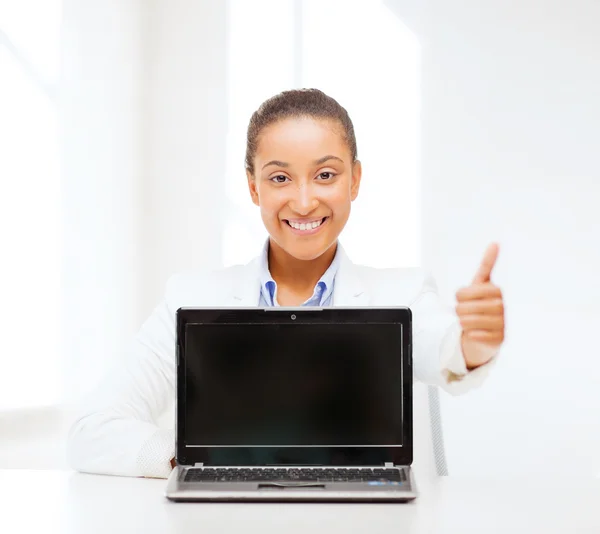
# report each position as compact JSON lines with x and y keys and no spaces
{"x":291,"y":486}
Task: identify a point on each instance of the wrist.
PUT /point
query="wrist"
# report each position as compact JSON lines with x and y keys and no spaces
{"x":476,"y":353}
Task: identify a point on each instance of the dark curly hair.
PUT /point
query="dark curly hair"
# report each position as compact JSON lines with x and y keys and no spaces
{"x":297,"y":103}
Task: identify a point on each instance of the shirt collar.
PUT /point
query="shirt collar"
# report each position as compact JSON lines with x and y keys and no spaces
{"x":323,"y":288}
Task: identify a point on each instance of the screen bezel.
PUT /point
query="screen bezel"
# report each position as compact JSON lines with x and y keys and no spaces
{"x":306,"y":315}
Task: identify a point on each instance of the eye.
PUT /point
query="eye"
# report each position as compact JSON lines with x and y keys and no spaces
{"x":279,"y":179}
{"x":326,"y":175}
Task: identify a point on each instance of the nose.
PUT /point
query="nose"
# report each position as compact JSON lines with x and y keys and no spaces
{"x":304,"y":201}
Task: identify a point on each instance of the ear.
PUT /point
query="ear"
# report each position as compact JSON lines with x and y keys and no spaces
{"x":252,"y":187}
{"x":356,"y":176}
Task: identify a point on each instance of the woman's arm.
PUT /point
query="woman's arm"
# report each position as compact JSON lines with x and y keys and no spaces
{"x":438,"y":357}
{"x":116,"y":432}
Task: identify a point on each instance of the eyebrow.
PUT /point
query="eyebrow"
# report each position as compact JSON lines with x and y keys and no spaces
{"x":320,"y":161}
{"x":276,"y":163}
{"x":327,"y":158}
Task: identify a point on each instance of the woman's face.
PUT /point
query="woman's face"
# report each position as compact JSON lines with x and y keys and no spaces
{"x":304,"y":182}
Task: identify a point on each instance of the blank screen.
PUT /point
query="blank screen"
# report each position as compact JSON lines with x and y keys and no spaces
{"x":293,"y":385}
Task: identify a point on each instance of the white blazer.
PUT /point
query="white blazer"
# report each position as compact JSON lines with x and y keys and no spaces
{"x":125,"y":427}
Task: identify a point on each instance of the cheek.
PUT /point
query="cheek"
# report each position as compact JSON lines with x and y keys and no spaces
{"x":271,"y":202}
{"x":338,"y":198}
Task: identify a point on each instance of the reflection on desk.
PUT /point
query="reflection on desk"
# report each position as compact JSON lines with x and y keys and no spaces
{"x":68,"y":503}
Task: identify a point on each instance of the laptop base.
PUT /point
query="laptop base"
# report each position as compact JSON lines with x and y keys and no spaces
{"x":280,"y":491}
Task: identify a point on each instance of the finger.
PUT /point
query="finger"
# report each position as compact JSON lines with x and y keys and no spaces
{"x":482,"y":322}
{"x":480,"y":306}
{"x":487,"y":264}
{"x":479,"y":291}
{"x":485,"y":336}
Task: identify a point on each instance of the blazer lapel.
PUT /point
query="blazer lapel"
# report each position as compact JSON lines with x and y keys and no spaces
{"x":246,"y":286}
{"x":349,"y":289}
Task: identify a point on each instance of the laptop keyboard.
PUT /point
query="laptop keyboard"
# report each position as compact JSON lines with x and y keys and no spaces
{"x":208,"y":474}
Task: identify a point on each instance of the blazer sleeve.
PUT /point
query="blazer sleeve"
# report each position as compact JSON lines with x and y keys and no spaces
{"x":115,"y":431}
{"x":437,"y":352}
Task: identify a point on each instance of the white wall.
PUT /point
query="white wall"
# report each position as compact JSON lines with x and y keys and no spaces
{"x":511,"y":129}
{"x":100,"y":90}
{"x":184,"y":125}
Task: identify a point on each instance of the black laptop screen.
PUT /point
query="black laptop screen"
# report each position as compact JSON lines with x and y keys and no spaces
{"x":293,"y":385}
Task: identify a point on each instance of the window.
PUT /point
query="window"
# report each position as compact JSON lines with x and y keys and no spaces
{"x":363,"y":56}
{"x":29,"y":203}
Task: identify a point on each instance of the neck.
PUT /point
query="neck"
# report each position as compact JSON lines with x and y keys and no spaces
{"x":298,"y":275}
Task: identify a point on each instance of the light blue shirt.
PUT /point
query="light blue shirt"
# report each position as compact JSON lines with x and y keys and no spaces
{"x":322,"y":295}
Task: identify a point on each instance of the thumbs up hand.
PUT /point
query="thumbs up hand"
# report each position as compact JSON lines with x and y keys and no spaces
{"x":480,"y":309}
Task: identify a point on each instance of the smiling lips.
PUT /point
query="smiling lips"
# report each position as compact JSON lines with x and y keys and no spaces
{"x":306,"y":226}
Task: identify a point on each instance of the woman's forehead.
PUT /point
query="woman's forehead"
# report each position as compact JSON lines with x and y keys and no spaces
{"x":302,"y":138}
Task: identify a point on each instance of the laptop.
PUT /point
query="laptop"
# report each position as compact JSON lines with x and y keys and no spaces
{"x":293,"y":404}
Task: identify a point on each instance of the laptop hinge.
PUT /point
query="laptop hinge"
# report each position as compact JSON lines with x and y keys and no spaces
{"x":199,"y":464}
{"x":389,"y":464}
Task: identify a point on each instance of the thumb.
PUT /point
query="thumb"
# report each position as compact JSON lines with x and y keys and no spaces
{"x":487,"y":264}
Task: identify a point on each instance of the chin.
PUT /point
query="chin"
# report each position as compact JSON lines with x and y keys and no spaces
{"x":307,"y":251}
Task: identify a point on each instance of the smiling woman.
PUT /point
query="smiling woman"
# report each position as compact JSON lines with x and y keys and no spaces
{"x":304,"y":195}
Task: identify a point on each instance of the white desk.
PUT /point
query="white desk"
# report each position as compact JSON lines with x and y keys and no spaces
{"x":68,"y":503}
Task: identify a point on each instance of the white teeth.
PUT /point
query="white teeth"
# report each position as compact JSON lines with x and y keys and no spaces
{"x":305,"y":226}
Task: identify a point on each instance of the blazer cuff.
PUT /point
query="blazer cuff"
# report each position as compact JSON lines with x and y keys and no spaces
{"x":154,"y":458}
{"x":454,"y":367}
